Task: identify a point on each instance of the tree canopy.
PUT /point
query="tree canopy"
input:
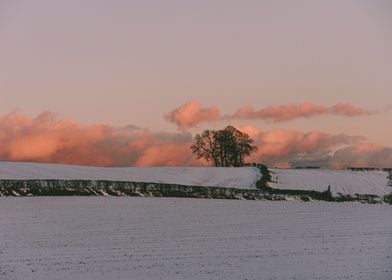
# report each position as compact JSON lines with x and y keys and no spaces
{"x":226,"y":147}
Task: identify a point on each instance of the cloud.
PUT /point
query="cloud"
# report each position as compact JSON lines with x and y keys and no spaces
{"x":191,"y":114}
{"x":347,"y":110}
{"x":284,"y":148}
{"x":294,"y":111}
{"x":45,"y":138}
{"x":362,"y":155}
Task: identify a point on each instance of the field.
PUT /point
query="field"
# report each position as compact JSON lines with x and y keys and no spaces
{"x":346,"y":182}
{"x":243,"y":178}
{"x":341,"y":182}
{"x":170,"y":238}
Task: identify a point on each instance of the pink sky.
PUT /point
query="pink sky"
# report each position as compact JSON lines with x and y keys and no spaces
{"x":130,"y":82}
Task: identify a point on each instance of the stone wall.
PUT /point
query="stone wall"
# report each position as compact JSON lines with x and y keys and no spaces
{"x":119,"y":188}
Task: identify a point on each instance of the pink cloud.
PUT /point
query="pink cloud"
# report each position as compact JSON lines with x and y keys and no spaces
{"x":295,"y":111}
{"x":348,"y":110}
{"x":191,"y":114}
{"x":362,"y":155}
{"x":48,"y":139}
{"x":284,"y":148}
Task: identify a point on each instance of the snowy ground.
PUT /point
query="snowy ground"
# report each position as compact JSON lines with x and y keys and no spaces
{"x":193,"y":176}
{"x":160,"y":238}
{"x":341,"y":181}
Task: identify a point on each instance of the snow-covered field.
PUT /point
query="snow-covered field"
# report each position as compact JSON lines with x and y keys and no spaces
{"x":193,"y":176}
{"x":167,"y":238}
{"x":341,"y":181}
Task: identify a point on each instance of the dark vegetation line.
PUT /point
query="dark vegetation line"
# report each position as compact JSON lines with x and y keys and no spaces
{"x":120,"y":188}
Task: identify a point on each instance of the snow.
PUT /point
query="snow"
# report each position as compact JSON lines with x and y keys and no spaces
{"x":245,"y":177}
{"x":341,"y":181}
{"x":99,"y":238}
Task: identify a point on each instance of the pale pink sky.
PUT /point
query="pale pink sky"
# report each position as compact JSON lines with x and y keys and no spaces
{"x":132,"y":62}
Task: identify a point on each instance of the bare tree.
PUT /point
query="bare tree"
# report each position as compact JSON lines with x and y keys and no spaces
{"x":204,"y":146}
{"x":227,"y":147}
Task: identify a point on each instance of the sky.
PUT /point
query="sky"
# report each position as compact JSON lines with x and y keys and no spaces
{"x":129,"y":83}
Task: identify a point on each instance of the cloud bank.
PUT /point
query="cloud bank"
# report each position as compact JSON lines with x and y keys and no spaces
{"x":192,"y":114}
{"x":363,"y":154}
{"x":284,"y":148}
{"x":294,"y":111}
{"x":46,"y":139}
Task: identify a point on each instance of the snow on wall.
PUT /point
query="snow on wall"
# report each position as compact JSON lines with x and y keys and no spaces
{"x":244,"y":178}
{"x":341,"y":181}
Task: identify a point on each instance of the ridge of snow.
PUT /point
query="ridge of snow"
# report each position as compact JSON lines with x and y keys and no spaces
{"x":244,"y":178}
